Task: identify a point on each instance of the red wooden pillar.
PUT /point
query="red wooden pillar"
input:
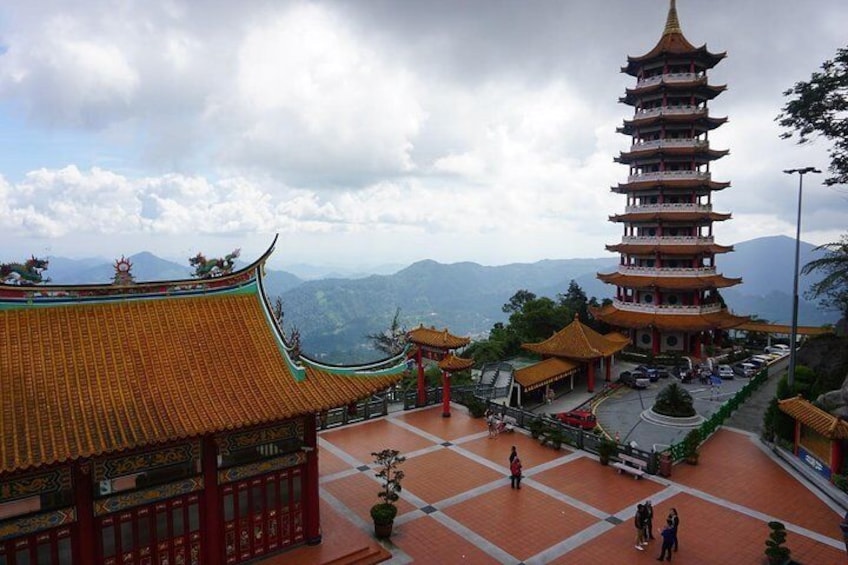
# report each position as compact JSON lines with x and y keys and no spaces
{"x":445,"y":394}
{"x":697,"y":339}
{"x":81,"y":472}
{"x":213,"y":524}
{"x":422,"y":394}
{"x":311,"y":497}
{"x":835,"y":456}
{"x":591,"y":376}
{"x":608,"y":362}
{"x":655,"y":341}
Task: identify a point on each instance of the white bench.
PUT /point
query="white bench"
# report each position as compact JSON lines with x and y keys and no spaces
{"x":507,"y":424}
{"x":632,"y":465}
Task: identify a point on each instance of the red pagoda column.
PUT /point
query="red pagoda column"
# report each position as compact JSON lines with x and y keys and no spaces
{"x":591,"y":376}
{"x":445,"y":394}
{"x":213,"y":523}
{"x":311,"y":497}
{"x":608,"y":363}
{"x":81,"y":472}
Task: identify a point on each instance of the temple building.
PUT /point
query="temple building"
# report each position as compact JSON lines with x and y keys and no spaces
{"x":667,"y":283}
{"x":160,"y":423}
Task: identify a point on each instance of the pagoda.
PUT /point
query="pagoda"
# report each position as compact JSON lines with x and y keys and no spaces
{"x":667,"y":285}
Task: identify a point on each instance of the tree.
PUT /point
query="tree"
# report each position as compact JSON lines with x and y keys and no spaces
{"x":818,"y":108}
{"x":517,"y":301}
{"x":575,"y":301}
{"x":832,"y":290}
{"x":392,"y":340}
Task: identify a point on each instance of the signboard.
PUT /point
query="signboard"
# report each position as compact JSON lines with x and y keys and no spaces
{"x":810,"y":460}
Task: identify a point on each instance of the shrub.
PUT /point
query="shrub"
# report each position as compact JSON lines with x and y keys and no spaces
{"x":674,"y":401}
{"x":691,"y":442}
{"x":476,"y":407}
{"x":775,"y":550}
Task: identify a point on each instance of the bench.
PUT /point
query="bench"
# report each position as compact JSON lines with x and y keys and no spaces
{"x":507,"y":424}
{"x":632,"y":465}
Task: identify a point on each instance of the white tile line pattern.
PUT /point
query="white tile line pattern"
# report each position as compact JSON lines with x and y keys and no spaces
{"x":569,"y":544}
{"x":477,"y":540}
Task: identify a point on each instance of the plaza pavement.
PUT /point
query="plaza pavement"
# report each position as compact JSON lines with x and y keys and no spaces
{"x":457,"y":505}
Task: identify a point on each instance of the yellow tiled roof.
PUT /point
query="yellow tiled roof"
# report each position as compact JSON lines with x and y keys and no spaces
{"x":85,"y":379}
{"x":576,"y":341}
{"x":668,"y":322}
{"x":676,"y":283}
{"x":814,"y":417}
{"x":453,"y":363}
{"x":544,"y":372}
{"x":440,"y":339}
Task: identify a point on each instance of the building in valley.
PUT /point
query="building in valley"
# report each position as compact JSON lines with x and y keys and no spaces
{"x":160,"y":423}
{"x":667,"y":282}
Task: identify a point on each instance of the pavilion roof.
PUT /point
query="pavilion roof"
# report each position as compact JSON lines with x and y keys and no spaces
{"x":670,"y":217}
{"x":698,"y":185}
{"x":544,"y":373}
{"x":667,"y":322}
{"x":671,"y":283}
{"x":782,"y":329}
{"x":824,"y":423}
{"x":576,"y":341}
{"x":83,"y":376}
{"x":702,"y":152}
{"x":682,"y":249}
{"x":437,"y":339}
{"x":697,"y":117}
{"x":453,"y":363}
{"x":697,"y":85}
{"x":673,"y":42}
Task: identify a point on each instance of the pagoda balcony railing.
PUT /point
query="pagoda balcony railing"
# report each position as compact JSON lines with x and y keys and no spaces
{"x":675,"y":142}
{"x":668,"y":207}
{"x":673,"y":309}
{"x":666,"y":240}
{"x":669,"y":77}
{"x":669,"y":110}
{"x":666,"y":271}
{"x":668,"y":175}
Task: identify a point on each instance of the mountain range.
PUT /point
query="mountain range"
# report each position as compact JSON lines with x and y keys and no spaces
{"x":334,"y":314}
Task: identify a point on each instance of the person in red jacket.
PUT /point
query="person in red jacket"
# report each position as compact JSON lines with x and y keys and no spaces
{"x":515,"y":472}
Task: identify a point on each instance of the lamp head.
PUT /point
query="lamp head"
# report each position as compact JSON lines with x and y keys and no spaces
{"x":801,"y":171}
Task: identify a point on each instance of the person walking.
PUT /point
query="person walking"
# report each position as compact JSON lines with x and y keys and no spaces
{"x":515,"y":472}
{"x":639,"y":522}
{"x":668,"y":541}
{"x":649,"y":521}
{"x":675,"y":522}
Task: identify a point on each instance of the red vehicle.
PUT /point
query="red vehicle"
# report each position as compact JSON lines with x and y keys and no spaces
{"x":579,"y":419}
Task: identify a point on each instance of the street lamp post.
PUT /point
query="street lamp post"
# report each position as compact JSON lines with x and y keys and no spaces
{"x":801,"y":172}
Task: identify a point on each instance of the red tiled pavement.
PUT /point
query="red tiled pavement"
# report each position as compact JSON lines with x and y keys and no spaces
{"x":733,"y":468}
{"x":602,"y":487}
{"x":495,"y":523}
{"x":709,"y":535}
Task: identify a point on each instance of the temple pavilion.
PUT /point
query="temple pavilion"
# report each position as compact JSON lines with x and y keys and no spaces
{"x":160,"y":423}
{"x":573,"y":350}
{"x":667,"y":284}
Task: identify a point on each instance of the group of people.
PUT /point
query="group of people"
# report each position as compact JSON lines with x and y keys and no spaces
{"x":644,"y":522}
{"x":496,"y":425}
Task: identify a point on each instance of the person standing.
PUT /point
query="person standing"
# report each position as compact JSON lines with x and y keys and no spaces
{"x":639,"y":522}
{"x":515,"y":472}
{"x":649,"y":521}
{"x":668,"y":541}
{"x":512,"y":455}
{"x":675,"y":522}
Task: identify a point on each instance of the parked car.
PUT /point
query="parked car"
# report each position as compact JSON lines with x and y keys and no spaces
{"x":633,"y":379}
{"x":778,"y":348}
{"x":762,"y":359}
{"x":745,"y":369}
{"x":578,"y":418}
{"x":651,"y":373}
{"x":725,"y":372}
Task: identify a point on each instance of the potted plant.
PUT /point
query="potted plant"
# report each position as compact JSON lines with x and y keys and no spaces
{"x":690,"y":446}
{"x":607,"y":449}
{"x":383,"y":513}
{"x":777,"y":553}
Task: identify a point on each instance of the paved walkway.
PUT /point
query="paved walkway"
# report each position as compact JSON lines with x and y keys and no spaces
{"x":457,"y":505}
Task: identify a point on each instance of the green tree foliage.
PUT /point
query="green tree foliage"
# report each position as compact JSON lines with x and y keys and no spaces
{"x":674,"y":401}
{"x":575,"y":301}
{"x":392,"y":340}
{"x":819,"y":107}
{"x":832,"y":290}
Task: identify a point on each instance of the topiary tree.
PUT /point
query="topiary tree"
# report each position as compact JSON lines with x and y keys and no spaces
{"x":776,"y":552}
{"x":674,"y":401}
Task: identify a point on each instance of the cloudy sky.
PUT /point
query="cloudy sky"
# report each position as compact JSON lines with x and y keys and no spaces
{"x":374,"y":131}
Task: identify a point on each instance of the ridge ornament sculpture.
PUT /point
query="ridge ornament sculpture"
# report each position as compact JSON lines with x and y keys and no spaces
{"x":25,"y":273}
{"x":209,"y":268}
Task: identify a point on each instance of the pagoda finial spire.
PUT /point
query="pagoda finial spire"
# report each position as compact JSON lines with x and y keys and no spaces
{"x":672,"y":24}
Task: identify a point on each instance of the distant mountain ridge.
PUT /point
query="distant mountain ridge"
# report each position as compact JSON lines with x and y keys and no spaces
{"x":335,"y":314}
